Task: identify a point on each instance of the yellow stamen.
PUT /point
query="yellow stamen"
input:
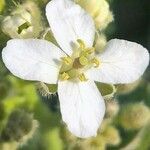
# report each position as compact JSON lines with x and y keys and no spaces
{"x":83,"y":60}
{"x":90,"y":50}
{"x":81,"y":43}
{"x":67,"y":60}
{"x":82,"y":77}
{"x":64,"y":76}
{"x":96,"y":62}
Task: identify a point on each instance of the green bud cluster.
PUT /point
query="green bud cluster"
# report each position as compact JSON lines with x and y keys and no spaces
{"x":19,"y":127}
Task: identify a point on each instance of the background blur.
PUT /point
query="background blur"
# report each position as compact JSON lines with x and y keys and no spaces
{"x":30,"y":118}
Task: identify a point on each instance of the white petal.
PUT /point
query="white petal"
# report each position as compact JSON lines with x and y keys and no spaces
{"x":69,"y":22}
{"x":121,"y":62}
{"x":82,"y":107}
{"x":32,"y":59}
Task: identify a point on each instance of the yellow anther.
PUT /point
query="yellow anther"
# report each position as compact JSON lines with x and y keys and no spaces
{"x":82,"y":77}
{"x":96,"y":62}
{"x":81,"y":43}
{"x":67,"y":60}
{"x":83,"y":60}
{"x":90,"y":50}
{"x":64,"y":76}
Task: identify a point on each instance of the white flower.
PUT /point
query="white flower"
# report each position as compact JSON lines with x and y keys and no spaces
{"x":75,"y":66}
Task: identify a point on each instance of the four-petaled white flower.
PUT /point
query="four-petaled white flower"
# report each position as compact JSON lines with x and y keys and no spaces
{"x":75,"y":65}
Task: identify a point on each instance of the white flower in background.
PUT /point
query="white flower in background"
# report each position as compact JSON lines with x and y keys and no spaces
{"x":75,"y":66}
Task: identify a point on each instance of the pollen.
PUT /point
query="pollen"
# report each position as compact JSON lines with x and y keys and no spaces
{"x":82,"y":77}
{"x":96,"y":62}
{"x":64,"y":76}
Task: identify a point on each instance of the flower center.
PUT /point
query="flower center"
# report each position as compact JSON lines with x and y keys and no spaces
{"x":82,"y":59}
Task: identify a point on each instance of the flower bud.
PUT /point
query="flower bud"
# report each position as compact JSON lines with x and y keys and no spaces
{"x":94,"y":143}
{"x":104,"y":16}
{"x":134,"y":116}
{"x":111,"y":136}
{"x":66,"y":136}
{"x":100,"y":43}
{"x":24,"y":21}
{"x":127,"y":88}
{"x":112,"y":108}
{"x":99,"y":10}
{"x":20,"y":127}
{"x":91,"y":6}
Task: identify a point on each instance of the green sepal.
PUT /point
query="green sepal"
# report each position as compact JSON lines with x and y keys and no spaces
{"x":47,"y":89}
{"x":107,"y":90}
{"x":48,"y":35}
{"x":52,"y":88}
